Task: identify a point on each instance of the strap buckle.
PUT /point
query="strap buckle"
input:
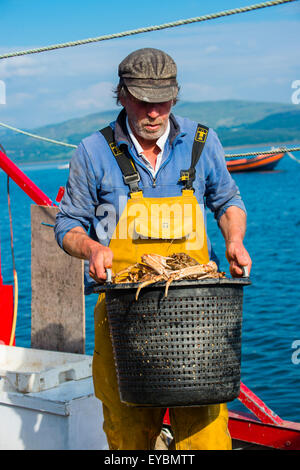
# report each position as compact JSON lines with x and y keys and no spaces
{"x":132,"y":181}
{"x":187,"y":175}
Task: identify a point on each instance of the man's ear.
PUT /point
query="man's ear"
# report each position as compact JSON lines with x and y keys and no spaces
{"x":122,"y":101}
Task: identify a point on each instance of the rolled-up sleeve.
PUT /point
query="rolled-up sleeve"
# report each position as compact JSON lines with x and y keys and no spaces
{"x":77,"y":206}
{"x":221,"y":190}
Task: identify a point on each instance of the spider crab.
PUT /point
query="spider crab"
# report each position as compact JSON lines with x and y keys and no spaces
{"x":155,"y":268}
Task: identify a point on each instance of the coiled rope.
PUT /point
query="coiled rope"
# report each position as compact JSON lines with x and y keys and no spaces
{"x":148,"y":29}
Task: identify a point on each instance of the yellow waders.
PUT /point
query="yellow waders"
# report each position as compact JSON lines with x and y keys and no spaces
{"x":176,"y":225}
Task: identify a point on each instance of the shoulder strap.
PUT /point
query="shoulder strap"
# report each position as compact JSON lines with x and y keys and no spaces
{"x":188,"y":176}
{"x":130,"y":174}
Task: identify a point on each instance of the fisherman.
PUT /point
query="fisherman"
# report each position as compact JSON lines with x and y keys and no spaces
{"x":149,"y":157}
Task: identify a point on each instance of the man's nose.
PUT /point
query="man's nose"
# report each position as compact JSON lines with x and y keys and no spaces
{"x":153,"y":110}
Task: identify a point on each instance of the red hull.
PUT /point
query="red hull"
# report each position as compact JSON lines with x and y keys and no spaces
{"x":259,"y":163}
{"x":6,"y":313}
{"x":261,"y":428}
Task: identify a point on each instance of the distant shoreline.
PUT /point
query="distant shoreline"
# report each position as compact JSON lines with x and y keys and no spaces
{"x":233,"y":147}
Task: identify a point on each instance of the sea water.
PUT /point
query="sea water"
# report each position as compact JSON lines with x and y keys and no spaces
{"x":271,"y":318}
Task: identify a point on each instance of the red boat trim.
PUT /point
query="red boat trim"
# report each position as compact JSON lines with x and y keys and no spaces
{"x":6,"y":313}
{"x":25,"y":183}
{"x":246,"y":428}
{"x":258,"y":407}
{"x":256,"y":162}
{"x":265,"y":428}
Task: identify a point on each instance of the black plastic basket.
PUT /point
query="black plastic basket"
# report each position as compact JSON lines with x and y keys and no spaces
{"x":182,"y":350}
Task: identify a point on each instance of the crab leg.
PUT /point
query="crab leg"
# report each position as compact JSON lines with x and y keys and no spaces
{"x":157,"y":262}
{"x":154,"y":268}
{"x":126,"y":270}
{"x":171,"y":278}
{"x":130,"y":271}
{"x":147,"y":283}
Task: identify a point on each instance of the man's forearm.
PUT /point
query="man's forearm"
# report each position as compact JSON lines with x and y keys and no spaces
{"x":78,"y":244}
{"x":233,"y":224}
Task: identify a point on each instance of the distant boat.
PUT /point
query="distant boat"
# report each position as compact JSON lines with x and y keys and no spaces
{"x":263,"y":162}
{"x":63,"y":167}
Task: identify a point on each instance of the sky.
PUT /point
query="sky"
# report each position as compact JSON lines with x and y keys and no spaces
{"x":252,"y":56}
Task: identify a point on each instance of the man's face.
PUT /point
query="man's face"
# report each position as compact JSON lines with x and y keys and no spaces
{"x":148,"y":121}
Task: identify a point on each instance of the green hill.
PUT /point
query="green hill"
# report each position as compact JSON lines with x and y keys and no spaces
{"x":229,"y":113}
{"x":237,"y":123}
{"x":276,"y":128}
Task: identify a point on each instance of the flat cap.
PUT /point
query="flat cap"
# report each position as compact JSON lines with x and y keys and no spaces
{"x":150,"y":75}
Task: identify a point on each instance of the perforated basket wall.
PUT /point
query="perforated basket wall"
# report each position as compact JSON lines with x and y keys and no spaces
{"x":182,"y":350}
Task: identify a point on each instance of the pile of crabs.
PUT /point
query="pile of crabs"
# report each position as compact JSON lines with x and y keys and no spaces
{"x":154,"y":268}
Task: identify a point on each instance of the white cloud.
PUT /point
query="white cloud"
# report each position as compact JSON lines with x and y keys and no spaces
{"x":19,"y":99}
{"x":211,"y":49}
{"x":23,"y":66}
{"x":93,"y":98}
{"x":202,"y":92}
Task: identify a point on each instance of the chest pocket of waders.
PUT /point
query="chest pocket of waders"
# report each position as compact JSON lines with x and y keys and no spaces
{"x":158,"y":225}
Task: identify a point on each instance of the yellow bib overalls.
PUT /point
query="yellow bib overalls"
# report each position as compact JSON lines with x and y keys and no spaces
{"x":163,"y":226}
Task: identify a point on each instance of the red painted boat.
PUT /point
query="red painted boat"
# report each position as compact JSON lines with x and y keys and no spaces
{"x":263,"y":162}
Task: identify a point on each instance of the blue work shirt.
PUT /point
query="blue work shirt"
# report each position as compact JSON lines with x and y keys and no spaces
{"x":95,"y":180}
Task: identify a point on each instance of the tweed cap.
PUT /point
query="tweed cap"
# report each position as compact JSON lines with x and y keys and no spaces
{"x":150,"y":75}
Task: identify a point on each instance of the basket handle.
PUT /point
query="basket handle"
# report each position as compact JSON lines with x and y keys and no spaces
{"x":108,"y":275}
{"x":245,"y":271}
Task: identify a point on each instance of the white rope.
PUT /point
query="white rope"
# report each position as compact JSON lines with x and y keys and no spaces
{"x":38,"y":137}
{"x":293,"y":157}
{"x":148,"y":28}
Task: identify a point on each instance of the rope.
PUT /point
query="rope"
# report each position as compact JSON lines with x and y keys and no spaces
{"x":15,"y":275}
{"x":38,"y":137}
{"x":293,"y":157}
{"x":265,"y":152}
{"x":237,"y":155}
{"x":148,"y":28}
{"x":16,"y":290}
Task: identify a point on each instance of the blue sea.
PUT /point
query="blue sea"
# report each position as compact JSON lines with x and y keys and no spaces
{"x":271,"y":319}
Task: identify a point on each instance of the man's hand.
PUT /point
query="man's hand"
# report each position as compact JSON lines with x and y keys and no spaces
{"x":77,"y":243}
{"x":237,"y":256}
{"x":233,"y":227}
{"x":100,"y":259}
